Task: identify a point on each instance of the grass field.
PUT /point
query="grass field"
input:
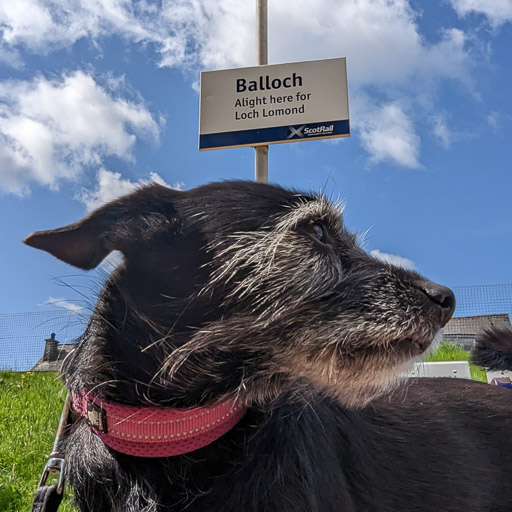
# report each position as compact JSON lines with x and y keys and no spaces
{"x":30,"y":407}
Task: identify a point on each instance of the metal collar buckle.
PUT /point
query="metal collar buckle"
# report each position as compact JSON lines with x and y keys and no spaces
{"x":97,"y":417}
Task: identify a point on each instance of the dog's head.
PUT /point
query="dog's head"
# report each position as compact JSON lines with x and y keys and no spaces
{"x":241,"y":289}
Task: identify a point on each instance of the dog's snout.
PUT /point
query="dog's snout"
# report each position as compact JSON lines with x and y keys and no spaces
{"x":440,"y":295}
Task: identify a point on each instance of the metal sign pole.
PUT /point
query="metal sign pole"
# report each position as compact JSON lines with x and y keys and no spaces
{"x":261,"y":152}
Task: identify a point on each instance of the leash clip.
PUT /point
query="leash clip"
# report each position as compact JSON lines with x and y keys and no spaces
{"x":53,"y":466}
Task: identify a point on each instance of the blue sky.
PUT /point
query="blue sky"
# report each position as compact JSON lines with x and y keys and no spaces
{"x":98,"y":96}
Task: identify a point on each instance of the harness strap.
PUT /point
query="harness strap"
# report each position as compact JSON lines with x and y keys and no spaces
{"x":48,"y":497}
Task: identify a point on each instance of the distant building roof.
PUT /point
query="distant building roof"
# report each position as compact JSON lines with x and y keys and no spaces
{"x":472,"y":325}
{"x":53,"y":356}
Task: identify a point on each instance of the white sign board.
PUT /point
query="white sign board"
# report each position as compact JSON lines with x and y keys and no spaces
{"x":270,"y":104}
{"x":452,"y":369}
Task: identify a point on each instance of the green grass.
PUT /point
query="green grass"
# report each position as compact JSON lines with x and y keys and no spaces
{"x":30,"y":408}
{"x":448,"y":351}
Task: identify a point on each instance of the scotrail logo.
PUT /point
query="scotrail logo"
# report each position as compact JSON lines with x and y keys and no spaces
{"x":304,"y":131}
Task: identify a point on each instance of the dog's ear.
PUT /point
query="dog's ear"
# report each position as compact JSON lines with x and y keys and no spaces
{"x":126,"y":224}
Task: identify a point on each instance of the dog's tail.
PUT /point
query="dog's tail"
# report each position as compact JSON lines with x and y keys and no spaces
{"x":493,"y":349}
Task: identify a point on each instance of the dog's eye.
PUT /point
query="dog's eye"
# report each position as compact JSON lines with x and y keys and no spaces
{"x":317,"y":231}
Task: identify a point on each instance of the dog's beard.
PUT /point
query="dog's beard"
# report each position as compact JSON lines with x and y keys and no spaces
{"x":356,"y":381}
{"x":352,"y":385}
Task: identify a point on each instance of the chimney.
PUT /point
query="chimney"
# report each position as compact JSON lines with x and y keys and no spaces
{"x":51,"y":352}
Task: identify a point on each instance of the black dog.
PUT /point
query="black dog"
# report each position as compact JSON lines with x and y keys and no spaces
{"x":254,"y":301}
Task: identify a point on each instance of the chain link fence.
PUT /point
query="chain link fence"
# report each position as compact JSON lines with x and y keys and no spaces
{"x":478,"y":308}
{"x":26,"y":340}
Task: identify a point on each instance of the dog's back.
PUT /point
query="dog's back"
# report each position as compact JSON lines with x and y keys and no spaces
{"x":438,"y":444}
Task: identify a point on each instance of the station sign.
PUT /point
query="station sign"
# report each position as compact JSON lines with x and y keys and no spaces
{"x":272,"y":104}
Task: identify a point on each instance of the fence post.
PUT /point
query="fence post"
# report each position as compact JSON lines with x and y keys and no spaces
{"x":261,"y":152}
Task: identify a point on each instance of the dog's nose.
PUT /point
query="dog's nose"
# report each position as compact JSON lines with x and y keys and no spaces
{"x":440,"y":295}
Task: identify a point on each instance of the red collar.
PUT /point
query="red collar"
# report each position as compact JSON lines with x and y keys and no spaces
{"x":156,"y":431}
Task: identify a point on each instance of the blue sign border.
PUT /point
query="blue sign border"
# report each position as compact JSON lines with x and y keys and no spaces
{"x":275,"y":134}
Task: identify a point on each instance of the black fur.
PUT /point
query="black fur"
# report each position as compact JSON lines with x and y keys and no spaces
{"x":248,"y":291}
{"x":493,"y":349}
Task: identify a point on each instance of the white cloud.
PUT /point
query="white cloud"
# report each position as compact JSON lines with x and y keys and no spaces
{"x":51,"y":129}
{"x":110,"y":185}
{"x":384,"y":47}
{"x":184,"y":32}
{"x":43,"y":25}
{"x":392,"y":259}
{"x":63,"y":304}
{"x":388,"y":134}
{"x":381,"y":39}
{"x":494,"y":120}
{"x":497,"y":12}
{"x":441,"y":131}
